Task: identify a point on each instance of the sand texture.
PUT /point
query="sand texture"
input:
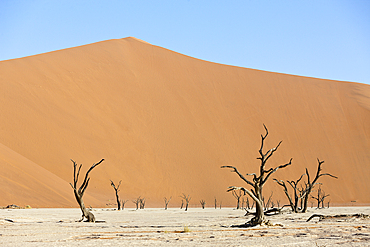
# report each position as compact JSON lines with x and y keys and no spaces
{"x":165,"y":123}
{"x":175,"y":227}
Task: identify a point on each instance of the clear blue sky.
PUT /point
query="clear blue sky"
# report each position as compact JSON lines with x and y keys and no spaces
{"x":325,"y":39}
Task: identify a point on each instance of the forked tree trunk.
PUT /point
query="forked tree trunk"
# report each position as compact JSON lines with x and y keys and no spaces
{"x":85,"y":213}
{"x":310,"y":185}
{"x":258,"y":181}
{"x":116,"y":189}
{"x":80,"y":191}
{"x":301,"y":196}
{"x":166,"y":201}
{"x":187,"y":200}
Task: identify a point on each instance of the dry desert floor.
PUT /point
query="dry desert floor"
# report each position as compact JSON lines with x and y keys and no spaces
{"x":175,"y":227}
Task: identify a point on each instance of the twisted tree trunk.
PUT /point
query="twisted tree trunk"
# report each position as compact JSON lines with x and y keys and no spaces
{"x":80,"y":191}
{"x":258,"y":181}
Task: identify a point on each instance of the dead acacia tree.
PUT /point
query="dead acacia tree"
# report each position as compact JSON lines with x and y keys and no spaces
{"x":187,"y":200}
{"x":81,"y":190}
{"x":302,"y":194}
{"x":202,"y":203}
{"x":142,"y":203}
{"x":298,"y":194}
{"x":123,"y":203}
{"x":117,"y":190}
{"x":321,"y":195}
{"x":310,"y":184}
{"x":258,"y":181}
{"x":237,"y":194}
{"x":137,"y":202}
{"x":269,"y":201}
{"x":166,"y":201}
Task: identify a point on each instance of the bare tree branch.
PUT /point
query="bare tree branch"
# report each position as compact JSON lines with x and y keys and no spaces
{"x":239,"y":174}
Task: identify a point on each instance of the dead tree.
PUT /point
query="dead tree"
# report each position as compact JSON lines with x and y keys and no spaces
{"x":142,"y":203}
{"x":202,"y":203}
{"x":117,"y":190}
{"x":237,"y":194}
{"x":297,"y":193}
{"x":247,"y":206}
{"x":187,"y":200}
{"x":215,"y":203}
{"x":80,"y":191}
{"x":310,"y":184}
{"x":123,"y":202}
{"x":137,"y":202}
{"x":321,"y":195}
{"x":258,"y":181}
{"x":166,"y":201}
{"x":301,"y":194}
{"x":267,"y":205}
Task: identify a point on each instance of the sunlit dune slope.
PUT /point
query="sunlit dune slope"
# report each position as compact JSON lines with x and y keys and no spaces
{"x":165,"y":123}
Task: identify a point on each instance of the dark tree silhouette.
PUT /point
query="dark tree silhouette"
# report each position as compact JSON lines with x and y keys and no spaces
{"x":116,"y":189}
{"x":202,"y":203}
{"x":258,"y":181}
{"x":137,"y":202}
{"x":123,"y":203}
{"x":80,"y":191}
{"x":298,"y":194}
{"x":166,"y":201}
{"x":142,"y":203}
{"x":321,"y":195}
{"x":310,"y":184}
{"x":237,"y":194}
{"x":187,"y":200}
{"x":302,"y":194}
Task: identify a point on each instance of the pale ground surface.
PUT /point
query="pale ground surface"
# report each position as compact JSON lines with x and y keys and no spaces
{"x":150,"y":227}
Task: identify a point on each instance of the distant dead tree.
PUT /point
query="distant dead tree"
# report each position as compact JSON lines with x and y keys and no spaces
{"x":215,"y":203}
{"x":202,"y":203}
{"x":258,"y":181}
{"x":301,"y":194}
{"x":80,"y":191}
{"x":247,"y":206}
{"x":237,"y":194}
{"x":137,"y":202}
{"x":142,"y":203}
{"x":117,"y":190}
{"x":123,"y":203}
{"x":187,"y":200}
{"x":182,"y":204}
{"x":267,"y":204}
{"x":321,"y":195}
{"x":166,"y":201}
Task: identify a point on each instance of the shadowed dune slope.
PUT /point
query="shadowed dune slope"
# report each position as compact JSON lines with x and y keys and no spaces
{"x":165,"y":123}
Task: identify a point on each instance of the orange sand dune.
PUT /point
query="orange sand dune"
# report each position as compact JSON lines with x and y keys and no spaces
{"x":165,"y":123}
